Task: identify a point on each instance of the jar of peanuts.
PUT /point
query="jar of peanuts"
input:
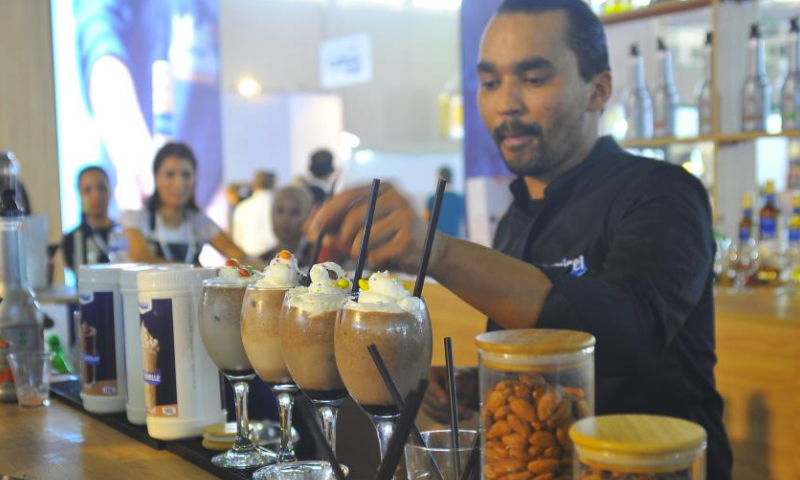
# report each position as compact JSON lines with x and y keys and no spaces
{"x":638,"y":447}
{"x":534,"y":385}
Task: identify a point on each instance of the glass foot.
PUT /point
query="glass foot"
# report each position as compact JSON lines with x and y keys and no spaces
{"x":313,"y":470}
{"x":243,"y":460}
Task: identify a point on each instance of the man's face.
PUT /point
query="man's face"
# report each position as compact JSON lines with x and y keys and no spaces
{"x":531,"y":95}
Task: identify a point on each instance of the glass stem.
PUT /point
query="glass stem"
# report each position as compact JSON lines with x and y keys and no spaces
{"x":285,"y":404}
{"x":385,"y":428}
{"x":327,"y":414}
{"x":242,"y":442}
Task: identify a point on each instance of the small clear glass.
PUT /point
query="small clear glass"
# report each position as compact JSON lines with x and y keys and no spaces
{"x":220,"y":318}
{"x":31,"y":372}
{"x":438,"y":451}
{"x":314,"y":470}
{"x":743,"y":262}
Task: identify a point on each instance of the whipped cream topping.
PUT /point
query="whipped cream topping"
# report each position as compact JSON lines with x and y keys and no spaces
{"x":328,"y":277}
{"x":282,"y":272}
{"x":329,"y":288}
{"x":384,"y":292}
{"x":232,"y":275}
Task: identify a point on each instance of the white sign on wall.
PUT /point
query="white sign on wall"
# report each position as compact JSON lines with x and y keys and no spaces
{"x":346,"y":61}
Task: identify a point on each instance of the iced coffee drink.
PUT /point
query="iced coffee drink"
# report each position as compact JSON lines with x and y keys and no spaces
{"x":150,"y":350}
{"x":260,"y":331}
{"x":398,"y":324}
{"x":220,"y":315}
{"x":261,"y":310}
{"x":307,"y":330}
{"x":308,"y":320}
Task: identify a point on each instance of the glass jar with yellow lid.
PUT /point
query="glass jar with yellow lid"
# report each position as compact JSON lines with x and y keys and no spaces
{"x":534,"y":385}
{"x":638,"y":447}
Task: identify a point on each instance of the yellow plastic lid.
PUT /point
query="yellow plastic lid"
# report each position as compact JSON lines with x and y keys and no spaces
{"x":638,"y":434}
{"x":534,"y":341}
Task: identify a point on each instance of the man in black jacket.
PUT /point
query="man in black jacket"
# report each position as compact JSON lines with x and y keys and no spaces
{"x":595,"y":240}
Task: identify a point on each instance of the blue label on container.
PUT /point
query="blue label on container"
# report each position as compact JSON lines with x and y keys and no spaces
{"x":158,"y":358}
{"x":744,"y":235}
{"x":794,"y":235}
{"x":98,"y":344}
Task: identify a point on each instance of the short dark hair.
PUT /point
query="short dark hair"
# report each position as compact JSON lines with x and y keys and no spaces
{"x":586,"y":37}
{"x":321,"y":163}
{"x":446,"y":174}
{"x":91,"y":169}
{"x":172,"y":149}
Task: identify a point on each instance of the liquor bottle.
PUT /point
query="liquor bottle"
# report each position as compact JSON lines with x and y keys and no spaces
{"x":769,"y":218}
{"x":790,"y":92}
{"x":666,"y":98}
{"x":21,"y":321}
{"x":757,"y":90}
{"x":638,"y":105}
{"x":790,"y":276}
{"x":743,"y":260}
{"x":705,"y":90}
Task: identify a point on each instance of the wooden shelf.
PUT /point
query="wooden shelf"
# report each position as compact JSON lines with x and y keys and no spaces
{"x":662,"y":142}
{"x":654,"y":10}
{"x":731,"y":138}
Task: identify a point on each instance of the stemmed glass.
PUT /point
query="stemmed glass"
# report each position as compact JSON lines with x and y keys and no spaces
{"x":404,"y":340}
{"x":260,"y":327}
{"x":308,"y":320}
{"x":219,"y":327}
{"x":743,"y":262}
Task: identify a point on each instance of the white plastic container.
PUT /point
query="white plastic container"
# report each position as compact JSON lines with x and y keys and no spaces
{"x":129,"y":288}
{"x":102,"y":339}
{"x":182,"y":387}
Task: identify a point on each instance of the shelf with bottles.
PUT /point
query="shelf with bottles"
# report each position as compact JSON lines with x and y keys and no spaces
{"x":662,"y":143}
{"x":653,"y":10}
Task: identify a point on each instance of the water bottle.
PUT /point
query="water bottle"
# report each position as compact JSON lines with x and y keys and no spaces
{"x":118,"y":245}
{"x":705,"y":90}
{"x":790,"y":92}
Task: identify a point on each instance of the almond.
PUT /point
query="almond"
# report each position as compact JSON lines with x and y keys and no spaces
{"x":523,"y":409}
{"x":542,"y":466}
{"x":519,"y":426}
{"x":543,"y":439}
{"x":501,"y":412}
{"x":515,"y":440}
{"x":549,"y":402}
{"x":498,"y":429}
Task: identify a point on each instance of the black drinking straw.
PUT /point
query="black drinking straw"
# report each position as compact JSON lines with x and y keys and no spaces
{"x":398,"y":401}
{"x":451,"y":382}
{"x":362,"y":254}
{"x":472,"y":460}
{"x":316,"y":431}
{"x":426,"y":252}
{"x":394,"y":450}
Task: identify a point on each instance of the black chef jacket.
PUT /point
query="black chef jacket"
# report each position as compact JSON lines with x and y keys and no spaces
{"x":627,"y":243}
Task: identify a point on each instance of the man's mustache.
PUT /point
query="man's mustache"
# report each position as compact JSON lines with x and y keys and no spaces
{"x":516,"y":128}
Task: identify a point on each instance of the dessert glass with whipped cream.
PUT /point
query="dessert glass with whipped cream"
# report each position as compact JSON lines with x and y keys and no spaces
{"x":220,"y":315}
{"x":387,"y":315}
{"x":260,"y":331}
{"x":307,"y":326}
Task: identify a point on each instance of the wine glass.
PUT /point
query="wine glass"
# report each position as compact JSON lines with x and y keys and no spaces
{"x":220,"y":316}
{"x":260,"y":327}
{"x":307,"y":327}
{"x":403,"y":338}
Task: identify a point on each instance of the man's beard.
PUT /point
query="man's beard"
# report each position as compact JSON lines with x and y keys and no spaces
{"x":538,"y":162}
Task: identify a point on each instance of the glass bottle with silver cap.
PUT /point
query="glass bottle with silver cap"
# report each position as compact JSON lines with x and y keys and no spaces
{"x":21,"y":321}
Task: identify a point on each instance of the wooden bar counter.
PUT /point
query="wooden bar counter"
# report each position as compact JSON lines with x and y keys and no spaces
{"x":758,"y":345}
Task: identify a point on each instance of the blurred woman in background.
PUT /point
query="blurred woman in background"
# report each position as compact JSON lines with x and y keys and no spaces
{"x":171,"y":228}
{"x":88,"y":243}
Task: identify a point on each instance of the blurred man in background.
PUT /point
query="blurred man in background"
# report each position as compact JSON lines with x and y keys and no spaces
{"x":252,"y":218}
